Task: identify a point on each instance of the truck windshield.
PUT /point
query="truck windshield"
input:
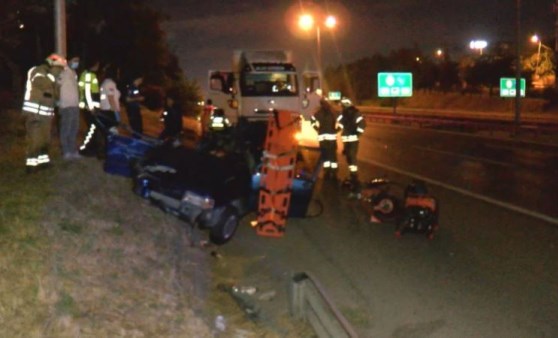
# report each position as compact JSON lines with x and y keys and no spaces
{"x":268,"y":84}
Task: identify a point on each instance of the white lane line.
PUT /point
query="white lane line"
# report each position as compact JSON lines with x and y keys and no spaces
{"x":468,"y":193}
{"x":473,"y":158}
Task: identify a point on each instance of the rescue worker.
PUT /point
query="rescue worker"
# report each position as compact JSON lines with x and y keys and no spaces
{"x":206,"y":117}
{"x":41,"y":94}
{"x":219,"y":126}
{"x":172,"y":119}
{"x":218,"y":121}
{"x":324,"y":122}
{"x":89,"y":96}
{"x":352,"y":124}
{"x":134,"y":98}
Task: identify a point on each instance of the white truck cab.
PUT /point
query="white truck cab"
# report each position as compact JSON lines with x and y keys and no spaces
{"x":261,"y":81}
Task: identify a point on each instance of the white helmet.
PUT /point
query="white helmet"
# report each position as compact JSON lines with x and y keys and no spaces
{"x":56,"y":60}
{"x":345,"y":102}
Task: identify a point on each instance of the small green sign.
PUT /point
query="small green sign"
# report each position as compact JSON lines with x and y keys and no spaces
{"x":334,"y":96}
{"x":507,"y":87}
{"x":395,"y":84}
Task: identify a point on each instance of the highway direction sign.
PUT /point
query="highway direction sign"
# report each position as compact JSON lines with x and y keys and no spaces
{"x":507,"y":87}
{"x":395,"y":84}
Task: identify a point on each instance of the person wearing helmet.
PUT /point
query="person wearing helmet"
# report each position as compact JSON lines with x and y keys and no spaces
{"x":41,"y":94}
{"x":323,"y":121}
{"x":352,"y":126}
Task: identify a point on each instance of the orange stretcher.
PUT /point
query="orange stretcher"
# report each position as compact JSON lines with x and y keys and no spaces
{"x":277,"y":173}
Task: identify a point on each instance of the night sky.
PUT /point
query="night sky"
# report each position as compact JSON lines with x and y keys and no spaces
{"x":204,"y":33}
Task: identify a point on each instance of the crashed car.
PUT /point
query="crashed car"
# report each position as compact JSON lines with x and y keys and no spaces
{"x":214,"y":190}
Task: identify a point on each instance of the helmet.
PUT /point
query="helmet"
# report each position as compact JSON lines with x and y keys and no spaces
{"x":56,"y":60}
{"x":345,"y":102}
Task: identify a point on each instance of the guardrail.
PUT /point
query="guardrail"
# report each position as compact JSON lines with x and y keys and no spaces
{"x":466,"y":123}
{"x":309,"y":302}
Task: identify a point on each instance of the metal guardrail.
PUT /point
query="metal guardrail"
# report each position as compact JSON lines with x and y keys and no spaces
{"x":309,"y":302}
{"x":462,"y":122}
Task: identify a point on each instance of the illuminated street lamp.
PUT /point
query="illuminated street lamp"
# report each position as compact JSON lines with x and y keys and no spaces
{"x":478,"y":45}
{"x":535,"y":39}
{"x":439,"y":52}
{"x":307,"y":22}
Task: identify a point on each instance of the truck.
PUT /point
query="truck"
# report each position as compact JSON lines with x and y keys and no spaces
{"x":262,"y":81}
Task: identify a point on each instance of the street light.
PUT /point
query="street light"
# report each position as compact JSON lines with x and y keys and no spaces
{"x":478,"y":45}
{"x":535,"y":39}
{"x":307,"y":22}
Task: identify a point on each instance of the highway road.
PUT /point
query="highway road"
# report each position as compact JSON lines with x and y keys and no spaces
{"x":491,"y":270}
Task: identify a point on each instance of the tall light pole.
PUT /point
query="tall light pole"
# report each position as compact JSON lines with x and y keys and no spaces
{"x":307,"y":22}
{"x":60,"y":26}
{"x":517,"y":119}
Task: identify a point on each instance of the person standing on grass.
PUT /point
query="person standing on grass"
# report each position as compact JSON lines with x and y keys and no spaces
{"x":89,"y":102}
{"x":109,"y":114}
{"x":134,"y":98}
{"x":41,"y":94}
{"x":69,"y":110}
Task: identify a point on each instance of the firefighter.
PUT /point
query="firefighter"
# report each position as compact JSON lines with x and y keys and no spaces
{"x":324,"y":122}
{"x":41,"y":94}
{"x":352,"y":124}
{"x":172,"y":119}
{"x":134,"y":99}
{"x":89,"y":102}
{"x":206,"y":116}
{"x":218,"y":130}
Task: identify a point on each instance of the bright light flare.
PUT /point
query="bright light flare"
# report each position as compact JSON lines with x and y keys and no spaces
{"x":330,"y":21}
{"x":535,"y":39}
{"x":306,"y":22}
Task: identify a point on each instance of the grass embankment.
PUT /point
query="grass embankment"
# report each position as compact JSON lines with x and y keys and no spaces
{"x":81,"y":255}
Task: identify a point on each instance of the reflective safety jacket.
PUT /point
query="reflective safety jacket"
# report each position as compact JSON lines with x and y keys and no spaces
{"x":88,"y":90}
{"x":218,"y":122}
{"x":323,"y":121}
{"x":352,"y":124}
{"x":40,"y":91}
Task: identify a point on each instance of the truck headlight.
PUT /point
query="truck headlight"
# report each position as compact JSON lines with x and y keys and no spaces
{"x":198,"y":200}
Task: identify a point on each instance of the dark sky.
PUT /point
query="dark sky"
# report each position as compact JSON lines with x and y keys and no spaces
{"x":203,"y":33}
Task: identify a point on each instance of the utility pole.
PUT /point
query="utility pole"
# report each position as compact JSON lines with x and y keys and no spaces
{"x":60,"y":26}
{"x":518,"y":67}
{"x":555,"y":9}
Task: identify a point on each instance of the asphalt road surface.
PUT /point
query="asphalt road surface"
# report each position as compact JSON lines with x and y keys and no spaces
{"x":491,"y":270}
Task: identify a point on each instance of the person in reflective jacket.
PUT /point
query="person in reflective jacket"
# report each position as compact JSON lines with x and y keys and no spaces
{"x":324,"y":122}
{"x":89,"y":102}
{"x":41,"y":94}
{"x":352,"y":124}
{"x":218,"y":121}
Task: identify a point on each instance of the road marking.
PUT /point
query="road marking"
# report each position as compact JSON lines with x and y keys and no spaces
{"x":479,"y":159}
{"x":468,"y":193}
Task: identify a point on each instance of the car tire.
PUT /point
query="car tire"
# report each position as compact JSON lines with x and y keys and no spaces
{"x":385,"y":207}
{"x":226,"y":226}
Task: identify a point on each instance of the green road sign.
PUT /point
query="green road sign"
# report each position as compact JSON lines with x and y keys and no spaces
{"x":507,"y":87}
{"x":395,"y":84}
{"x":334,"y":96}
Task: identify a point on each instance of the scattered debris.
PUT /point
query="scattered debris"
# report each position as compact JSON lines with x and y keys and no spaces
{"x":220,"y":323}
{"x":267,"y":296}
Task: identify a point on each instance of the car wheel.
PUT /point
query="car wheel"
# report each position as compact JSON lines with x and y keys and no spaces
{"x":224,"y":229}
{"x":386,"y":207}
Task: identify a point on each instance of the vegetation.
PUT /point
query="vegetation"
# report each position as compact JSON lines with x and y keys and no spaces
{"x":472,"y":74}
{"x":95,"y":32}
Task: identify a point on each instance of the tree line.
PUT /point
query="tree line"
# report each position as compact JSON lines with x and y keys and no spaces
{"x":472,"y":73}
{"x":125,"y":34}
